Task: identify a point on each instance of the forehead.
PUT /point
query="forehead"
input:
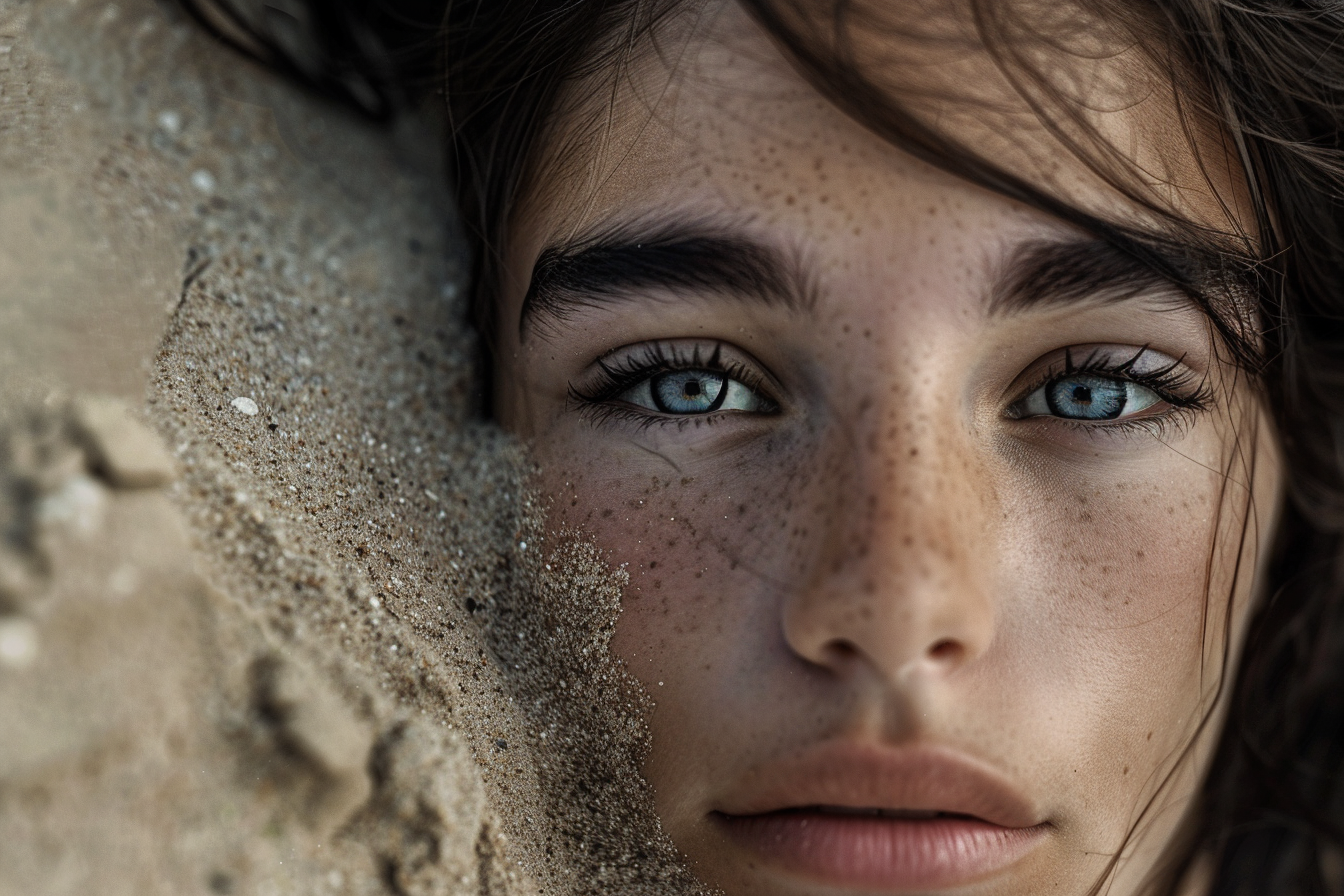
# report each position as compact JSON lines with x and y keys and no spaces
{"x":709,"y":103}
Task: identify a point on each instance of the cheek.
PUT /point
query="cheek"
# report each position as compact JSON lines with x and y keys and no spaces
{"x":1109,"y":594}
{"x":705,"y":546}
{"x":1122,"y":563}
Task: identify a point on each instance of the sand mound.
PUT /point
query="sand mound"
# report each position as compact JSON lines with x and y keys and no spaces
{"x":277,"y":614}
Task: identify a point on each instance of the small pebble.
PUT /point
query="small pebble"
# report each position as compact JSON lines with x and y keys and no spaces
{"x":120,"y":448}
{"x":204,"y":181}
{"x":18,"y":643}
{"x":244,"y":405}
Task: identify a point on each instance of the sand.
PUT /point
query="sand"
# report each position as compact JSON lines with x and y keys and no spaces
{"x":278,"y":613}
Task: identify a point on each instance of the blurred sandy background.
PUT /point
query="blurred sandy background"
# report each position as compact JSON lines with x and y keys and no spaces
{"x":276,"y":612}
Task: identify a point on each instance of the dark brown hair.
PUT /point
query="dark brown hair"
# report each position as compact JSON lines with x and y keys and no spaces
{"x":1269,"y":75}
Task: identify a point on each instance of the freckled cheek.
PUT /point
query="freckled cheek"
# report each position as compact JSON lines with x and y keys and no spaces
{"x":1109,"y":611}
{"x":706,"y":548}
{"x":1114,"y":555}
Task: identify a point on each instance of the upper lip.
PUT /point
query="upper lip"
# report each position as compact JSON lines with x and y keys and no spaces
{"x":853,"y":775}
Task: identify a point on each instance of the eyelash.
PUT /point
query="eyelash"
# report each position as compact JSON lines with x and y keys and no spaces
{"x":615,"y":378}
{"x":1170,"y":383}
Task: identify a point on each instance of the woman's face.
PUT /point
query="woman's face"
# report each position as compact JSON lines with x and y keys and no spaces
{"x":923,"y":496}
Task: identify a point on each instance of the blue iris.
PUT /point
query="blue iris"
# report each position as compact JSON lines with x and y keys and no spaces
{"x":688,"y":391}
{"x":1085,"y":397}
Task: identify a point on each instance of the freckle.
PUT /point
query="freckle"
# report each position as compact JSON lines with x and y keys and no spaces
{"x":1126,"y":771}
{"x":1150,"y":735}
{"x":789,"y":200}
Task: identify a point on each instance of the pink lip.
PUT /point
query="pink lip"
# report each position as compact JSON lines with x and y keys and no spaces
{"x":785,"y":812}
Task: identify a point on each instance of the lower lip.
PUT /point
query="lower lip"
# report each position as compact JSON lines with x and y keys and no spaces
{"x":870,"y":852}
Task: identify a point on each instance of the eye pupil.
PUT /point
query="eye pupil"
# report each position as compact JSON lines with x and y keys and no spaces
{"x":692,"y":389}
{"x":1082,"y":395}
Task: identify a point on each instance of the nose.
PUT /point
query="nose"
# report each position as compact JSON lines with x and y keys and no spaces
{"x":901,"y":583}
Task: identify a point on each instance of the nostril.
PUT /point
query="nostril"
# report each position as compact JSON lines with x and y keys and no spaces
{"x":840,"y":653}
{"x":946,"y":651}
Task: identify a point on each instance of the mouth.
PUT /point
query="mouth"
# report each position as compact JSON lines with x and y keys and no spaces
{"x":868,"y":818}
{"x":886,"y":850}
{"x":907,"y":814}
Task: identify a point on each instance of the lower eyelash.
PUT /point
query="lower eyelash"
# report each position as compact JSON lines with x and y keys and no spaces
{"x":1159,"y":426}
{"x":599,"y":413}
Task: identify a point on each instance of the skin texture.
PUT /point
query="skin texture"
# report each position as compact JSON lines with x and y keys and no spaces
{"x":891,"y":556}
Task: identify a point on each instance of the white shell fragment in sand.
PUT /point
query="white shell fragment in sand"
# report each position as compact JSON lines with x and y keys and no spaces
{"x":18,"y":643}
{"x":170,"y":122}
{"x":204,"y":181}
{"x":244,"y":405}
{"x":122,"y":450}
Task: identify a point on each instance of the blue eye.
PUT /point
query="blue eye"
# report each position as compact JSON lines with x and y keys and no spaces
{"x":1088,"y":397}
{"x":686,"y":392}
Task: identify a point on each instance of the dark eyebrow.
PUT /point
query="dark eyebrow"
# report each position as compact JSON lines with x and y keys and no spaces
{"x":683,"y":258}
{"x":1048,"y":273}
{"x":691,"y":258}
